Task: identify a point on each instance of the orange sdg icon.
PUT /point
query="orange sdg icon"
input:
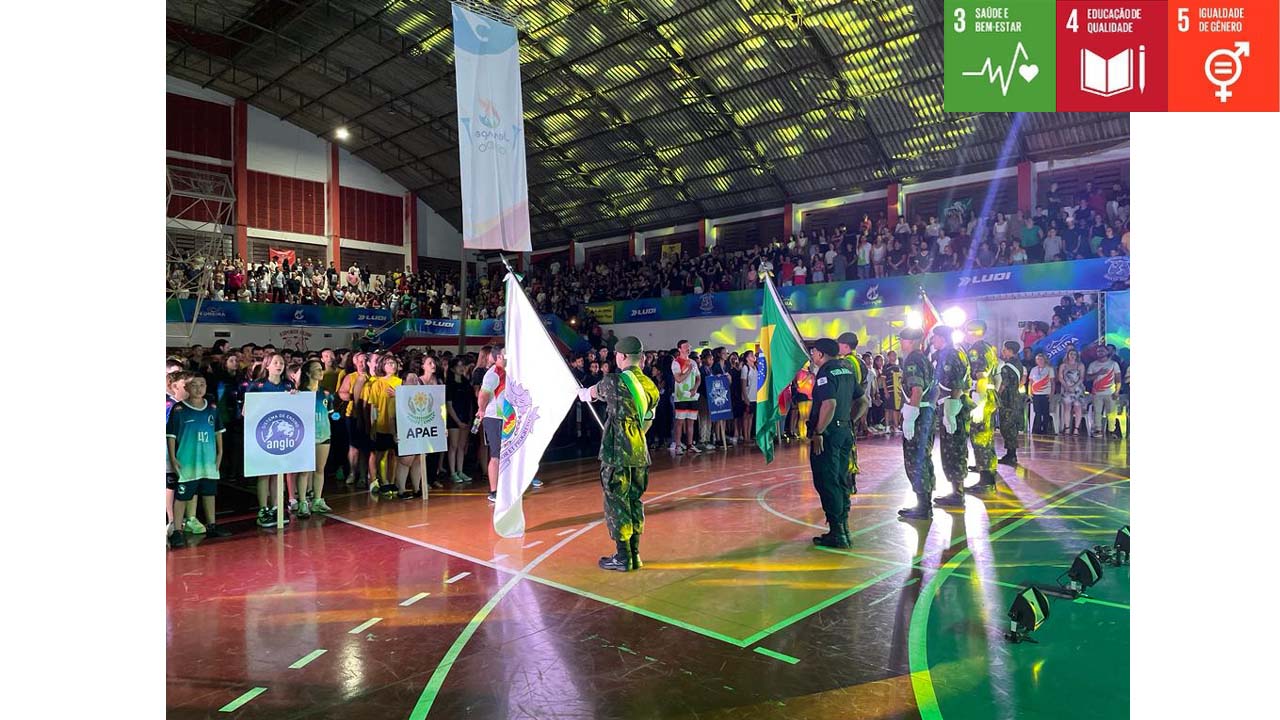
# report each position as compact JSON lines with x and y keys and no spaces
{"x":1223,"y":56}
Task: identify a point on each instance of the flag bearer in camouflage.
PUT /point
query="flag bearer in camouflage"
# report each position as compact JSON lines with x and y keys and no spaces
{"x":954,"y":408}
{"x":848,"y":344}
{"x":918,"y":406}
{"x":982,"y":430}
{"x":835,"y":390}
{"x":631,"y":400}
{"x":1010,"y":400}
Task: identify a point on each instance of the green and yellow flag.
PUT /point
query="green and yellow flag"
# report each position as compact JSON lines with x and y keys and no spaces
{"x":782,"y":354}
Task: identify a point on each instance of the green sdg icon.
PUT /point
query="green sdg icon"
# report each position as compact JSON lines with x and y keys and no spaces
{"x":999,"y":56}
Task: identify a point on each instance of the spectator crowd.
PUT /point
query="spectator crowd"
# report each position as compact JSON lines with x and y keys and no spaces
{"x":1092,"y":223}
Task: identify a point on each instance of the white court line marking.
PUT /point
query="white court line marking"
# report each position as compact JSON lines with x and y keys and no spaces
{"x":414,"y":599}
{"x":364,"y":626}
{"x":709,"y":492}
{"x":535,"y":543}
{"x":566,"y":532}
{"x":456,"y":578}
{"x":305,"y":659}
{"x":419,"y":525}
{"x":498,"y":558}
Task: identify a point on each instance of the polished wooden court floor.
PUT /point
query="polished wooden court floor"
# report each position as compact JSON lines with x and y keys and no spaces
{"x":415,"y":609}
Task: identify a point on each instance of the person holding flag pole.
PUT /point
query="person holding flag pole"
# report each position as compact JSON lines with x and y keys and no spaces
{"x":538,"y":391}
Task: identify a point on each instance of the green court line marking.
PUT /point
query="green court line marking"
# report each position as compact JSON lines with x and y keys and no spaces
{"x":306,"y":659}
{"x":822,"y":605}
{"x":432,"y":689}
{"x":364,"y":626}
{"x":1095,"y":601}
{"x":1109,"y":507}
{"x":234,"y":705}
{"x":776,"y":655}
{"x":640,"y":611}
{"x":917,"y":640}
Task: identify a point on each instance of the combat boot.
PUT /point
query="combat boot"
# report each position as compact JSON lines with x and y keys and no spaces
{"x":987,"y":480}
{"x":853,"y":484}
{"x":635,"y":552}
{"x":826,"y":537}
{"x":837,"y":538}
{"x":922,"y":511}
{"x":619,"y":561}
{"x":955,"y":499}
{"x":1010,"y":458}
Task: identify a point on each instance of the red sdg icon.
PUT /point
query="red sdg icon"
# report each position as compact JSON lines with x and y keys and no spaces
{"x":1112,"y":56}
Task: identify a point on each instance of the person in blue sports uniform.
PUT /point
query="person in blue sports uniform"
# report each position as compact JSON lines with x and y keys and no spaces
{"x":312,"y":376}
{"x":174,"y":392}
{"x":194,"y":435}
{"x":275,"y":381}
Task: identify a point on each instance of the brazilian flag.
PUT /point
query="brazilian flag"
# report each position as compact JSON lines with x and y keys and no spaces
{"x":782,"y":354}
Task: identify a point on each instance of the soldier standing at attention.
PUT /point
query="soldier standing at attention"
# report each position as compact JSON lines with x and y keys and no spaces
{"x":1009,"y":397}
{"x":848,"y":344}
{"x":631,"y":400}
{"x":918,"y":405}
{"x":982,"y":431}
{"x":954,"y":406}
{"x":831,"y":437}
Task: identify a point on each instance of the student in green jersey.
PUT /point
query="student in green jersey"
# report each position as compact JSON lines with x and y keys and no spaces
{"x":195,"y":450}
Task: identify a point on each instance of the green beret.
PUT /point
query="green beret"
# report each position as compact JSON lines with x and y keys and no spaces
{"x":911,"y":333}
{"x":976,"y":327}
{"x":827,"y":347}
{"x":629,"y":345}
{"x":850,"y":339}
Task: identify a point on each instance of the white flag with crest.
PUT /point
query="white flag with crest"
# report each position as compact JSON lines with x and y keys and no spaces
{"x":539,"y":392}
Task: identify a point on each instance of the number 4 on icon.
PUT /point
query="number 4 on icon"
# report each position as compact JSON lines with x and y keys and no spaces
{"x":1073,"y":21}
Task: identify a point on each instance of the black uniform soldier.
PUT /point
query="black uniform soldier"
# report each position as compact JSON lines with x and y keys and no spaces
{"x":630,"y":399}
{"x":982,"y":432}
{"x":918,"y":405}
{"x":848,"y":343}
{"x":1011,"y":402}
{"x":831,"y":437}
{"x":954,"y":406}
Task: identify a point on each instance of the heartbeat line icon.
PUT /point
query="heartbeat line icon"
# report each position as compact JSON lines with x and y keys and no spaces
{"x":1004,"y":76}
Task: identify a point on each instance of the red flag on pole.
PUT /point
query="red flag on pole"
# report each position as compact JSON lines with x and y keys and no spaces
{"x":930,"y":313}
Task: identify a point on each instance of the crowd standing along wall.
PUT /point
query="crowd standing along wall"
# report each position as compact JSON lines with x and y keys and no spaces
{"x":877,"y":328}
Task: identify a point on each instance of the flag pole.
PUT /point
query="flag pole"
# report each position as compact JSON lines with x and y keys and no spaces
{"x":549,"y":338}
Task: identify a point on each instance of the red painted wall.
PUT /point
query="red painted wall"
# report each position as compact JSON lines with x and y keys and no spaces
{"x":371,"y":217}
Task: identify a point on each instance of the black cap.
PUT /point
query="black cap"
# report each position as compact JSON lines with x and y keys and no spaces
{"x":827,"y":347}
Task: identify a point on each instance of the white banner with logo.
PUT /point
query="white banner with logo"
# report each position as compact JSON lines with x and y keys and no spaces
{"x":279,"y":433}
{"x":538,"y":394}
{"x":495,"y":190}
{"x":420,"y":415}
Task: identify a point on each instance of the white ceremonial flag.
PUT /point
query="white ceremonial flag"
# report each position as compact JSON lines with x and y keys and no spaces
{"x":539,"y":392}
{"x":491,"y":157}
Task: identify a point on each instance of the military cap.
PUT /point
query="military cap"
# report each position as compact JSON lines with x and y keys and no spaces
{"x":827,"y":347}
{"x":942,"y":331}
{"x":976,"y":327}
{"x":848,"y":338}
{"x":911,"y":333}
{"x":629,"y":345}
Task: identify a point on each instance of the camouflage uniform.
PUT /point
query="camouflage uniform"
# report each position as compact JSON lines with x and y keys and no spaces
{"x":1011,"y":405}
{"x":624,"y":456}
{"x":859,"y":369}
{"x":982,"y":432}
{"x":917,"y":453}
{"x":953,"y":374}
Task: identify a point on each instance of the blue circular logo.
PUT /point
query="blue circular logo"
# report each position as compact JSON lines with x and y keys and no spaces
{"x":280,"y":432}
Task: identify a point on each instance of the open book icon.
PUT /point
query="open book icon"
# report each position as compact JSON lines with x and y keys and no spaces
{"x":1107,"y":77}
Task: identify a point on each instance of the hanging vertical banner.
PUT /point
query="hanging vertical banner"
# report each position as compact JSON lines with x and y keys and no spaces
{"x":495,"y":191}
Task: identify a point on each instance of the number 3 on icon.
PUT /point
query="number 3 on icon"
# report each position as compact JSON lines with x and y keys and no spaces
{"x":959,"y":14}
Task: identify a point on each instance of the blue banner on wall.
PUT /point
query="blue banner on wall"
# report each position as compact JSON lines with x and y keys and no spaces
{"x":232,"y":313}
{"x":1080,"y":332}
{"x":1077,"y":275}
{"x":719,"y":402}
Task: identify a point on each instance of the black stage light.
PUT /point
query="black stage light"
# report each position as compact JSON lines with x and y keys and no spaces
{"x":1084,"y":572}
{"x":1122,"y":545}
{"x":1027,"y":613}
